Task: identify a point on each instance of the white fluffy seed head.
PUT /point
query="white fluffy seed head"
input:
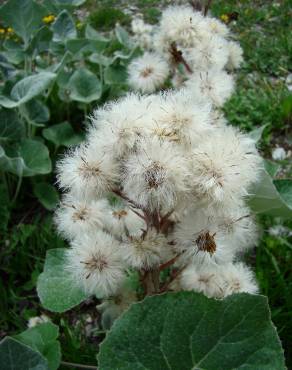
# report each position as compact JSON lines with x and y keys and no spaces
{"x":202,"y":280}
{"x":121,"y":219}
{"x":225,"y":165}
{"x":77,"y":217}
{"x":238,"y":278}
{"x":88,"y":171}
{"x":148,"y":72}
{"x":213,"y":85}
{"x":146,"y":252}
{"x":210,"y":53}
{"x":235,"y":57}
{"x":117,"y":127}
{"x":155,"y":174}
{"x":219,"y":281}
{"x":199,"y":238}
{"x":178,"y":24}
{"x":96,"y":264}
{"x":181,"y":120}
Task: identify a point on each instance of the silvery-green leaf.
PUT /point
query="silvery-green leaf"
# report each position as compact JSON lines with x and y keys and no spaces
{"x":64,"y":27}
{"x":43,"y":338}
{"x":62,"y":134}
{"x":24,"y":17}
{"x":27,"y":88}
{"x":84,"y":86}
{"x":46,"y":194}
{"x":11,"y":128}
{"x":188,"y":331}
{"x":265,"y":198}
{"x":30,"y":158}
{"x":56,"y":289}
{"x":15,"y":355}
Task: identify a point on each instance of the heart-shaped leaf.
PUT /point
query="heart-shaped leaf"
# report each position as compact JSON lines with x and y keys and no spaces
{"x":115,"y":75}
{"x":64,"y":27}
{"x":30,"y":158}
{"x":84,"y":86}
{"x":27,"y":88}
{"x":15,"y":355}
{"x":284,"y":187}
{"x":123,"y":37}
{"x":62,"y":134}
{"x":11,"y":128}
{"x":47,"y":195}
{"x":25,"y":17}
{"x":56,"y":289}
{"x":43,"y":338}
{"x":186,"y":330}
{"x":265,"y":198}
{"x":36,"y":111}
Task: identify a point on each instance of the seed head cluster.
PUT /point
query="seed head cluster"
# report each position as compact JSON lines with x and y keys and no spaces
{"x":161,"y":179}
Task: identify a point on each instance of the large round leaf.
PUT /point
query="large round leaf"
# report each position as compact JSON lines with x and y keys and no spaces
{"x":46,"y":194}
{"x":27,"y":88}
{"x":24,"y":16}
{"x":11,"y":128}
{"x":56,"y":289}
{"x":266,"y":198}
{"x":43,"y":338}
{"x":36,"y":111}
{"x":15,"y":355}
{"x":29,"y":159}
{"x":84,"y":86}
{"x":188,"y":331}
{"x":64,"y":27}
{"x":62,"y":134}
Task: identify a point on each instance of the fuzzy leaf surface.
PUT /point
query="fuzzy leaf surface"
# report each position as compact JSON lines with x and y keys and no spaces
{"x":186,"y":330}
{"x":271,"y":200}
{"x":56,"y":289}
{"x":27,"y":88}
{"x":43,"y":338}
{"x":15,"y":355}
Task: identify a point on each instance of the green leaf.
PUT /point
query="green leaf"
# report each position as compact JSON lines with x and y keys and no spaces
{"x":36,"y":111}
{"x":271,"y":167}
{"x":43,"y":338}
{"x":47,"y":195}
{"x":92,"y":34}
{"x":257,"y":133}
{"x":115,"y":75}
{"x":266,"y":199}
{"x":84,"y":86}
{"x":27,"y":88}
{"x":62,"y":134}
{"x":36,"y":158}
{"x":30,"y":158}
{"x":11,"y":128}
{"x":71,"y":2}
{"x":186,"y":330}
{"x":64,"y":27}
{"x":123,"y":37}
{"x":56,"y":289}
{"x":284,"y":187}
{"x":100,"y":59}
{"x":25,"y":17}
{"x":18,"y":356}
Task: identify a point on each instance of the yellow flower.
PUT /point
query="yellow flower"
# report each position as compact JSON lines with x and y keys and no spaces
{"x":10,"y":30}
{"x":49,"y":18}
{"x":224,"y":18}
{"x":2,"y":31}
{"x":79,"y":25}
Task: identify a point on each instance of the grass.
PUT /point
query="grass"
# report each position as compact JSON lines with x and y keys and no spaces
{"x":263,"y":31}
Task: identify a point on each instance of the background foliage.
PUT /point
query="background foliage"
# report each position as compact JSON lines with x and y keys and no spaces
{"x":58,"y":60}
